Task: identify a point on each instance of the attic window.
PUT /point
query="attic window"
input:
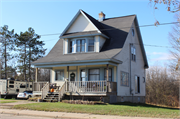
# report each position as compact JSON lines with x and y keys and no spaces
{"x":132,"y":32}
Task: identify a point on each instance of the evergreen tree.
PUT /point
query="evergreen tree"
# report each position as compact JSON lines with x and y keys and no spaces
{"x":6,"y":46}
{"x":30,"y":49}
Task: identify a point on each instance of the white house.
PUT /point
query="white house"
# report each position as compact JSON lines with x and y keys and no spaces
{"x":99,"y":58}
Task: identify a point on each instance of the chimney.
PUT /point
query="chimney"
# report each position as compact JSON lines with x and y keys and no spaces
{"x":101,"y":16}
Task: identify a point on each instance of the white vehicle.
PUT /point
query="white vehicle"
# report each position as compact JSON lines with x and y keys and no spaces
{"x":10,"y":88}
{"x":25,"y":95}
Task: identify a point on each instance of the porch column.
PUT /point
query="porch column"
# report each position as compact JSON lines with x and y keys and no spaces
{"x":36,"y":76}
{"x":107,"y":72}
{"x":68,"y":72}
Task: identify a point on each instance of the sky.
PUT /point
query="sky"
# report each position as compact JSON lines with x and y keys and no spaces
{"x":52,"y":17}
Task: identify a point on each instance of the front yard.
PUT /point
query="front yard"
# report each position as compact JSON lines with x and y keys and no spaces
{"x":121,"y":109}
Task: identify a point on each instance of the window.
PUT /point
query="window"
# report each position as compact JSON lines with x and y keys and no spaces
{"x":132,"y":32}
{"x":124,"y":79}
{"x":72,"y":46}
{"x":133,"y":53}
{"x":11,"y":82}
{"x":109,"y":74}
{"x":11,"y":86}
{"x":22,"y":86}
{"x":83,"y":75}
{"x":59,"y":76}
{"x":91,"y":45}
{"x":94,"y":75}
{"x":30,"y":86}
{"x":137,"y":84}
{"x":80,"y":45}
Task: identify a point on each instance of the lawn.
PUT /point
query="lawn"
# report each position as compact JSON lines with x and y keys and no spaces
{"x":122,"y":109}
{"x":7,"y":101}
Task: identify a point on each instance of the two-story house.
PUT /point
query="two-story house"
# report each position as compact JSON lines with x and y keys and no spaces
{"x":99,"y":58}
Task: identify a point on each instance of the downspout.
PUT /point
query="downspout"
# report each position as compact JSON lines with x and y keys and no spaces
{"x":130,"y":72}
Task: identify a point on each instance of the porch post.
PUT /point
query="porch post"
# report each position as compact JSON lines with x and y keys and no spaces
{"x":107,"y":72}
{"x":68,"y":72}
{"x":36,"y":76}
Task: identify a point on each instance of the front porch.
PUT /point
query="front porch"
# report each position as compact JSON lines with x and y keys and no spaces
{"x":76,"y":88}
{"x":82,"y":80}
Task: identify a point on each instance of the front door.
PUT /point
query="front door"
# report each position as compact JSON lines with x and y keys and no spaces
{"x":72,"y":76}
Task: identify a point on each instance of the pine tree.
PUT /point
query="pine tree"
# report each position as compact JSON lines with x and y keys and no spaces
{"x":7,"y":45}
{"x":30,"y":49}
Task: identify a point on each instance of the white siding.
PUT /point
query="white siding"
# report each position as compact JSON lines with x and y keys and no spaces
{"x":137,"y":68}
{"x":101,"y":42}
{"x":81,"y":24}
{"x":96,"y":44}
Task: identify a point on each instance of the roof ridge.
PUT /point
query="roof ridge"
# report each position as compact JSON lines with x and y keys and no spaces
{"x":120,"y":17}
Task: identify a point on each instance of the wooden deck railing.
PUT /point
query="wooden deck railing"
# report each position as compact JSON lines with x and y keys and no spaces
{"x":86,"y":86}
{"x":37,"y":86}
{"x":45,"y":90}
{"x":61,"y":92}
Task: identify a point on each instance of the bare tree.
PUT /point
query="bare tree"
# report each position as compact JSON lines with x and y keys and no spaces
{"x":174,"y":40}
{"x":161,"y":87}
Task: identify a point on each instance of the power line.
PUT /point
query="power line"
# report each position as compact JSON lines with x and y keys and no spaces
{"x":116,"y":28}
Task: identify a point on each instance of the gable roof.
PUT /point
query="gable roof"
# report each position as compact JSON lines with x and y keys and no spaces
{"x":116,"y":29}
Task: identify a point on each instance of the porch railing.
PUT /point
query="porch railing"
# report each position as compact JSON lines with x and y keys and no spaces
{"x":61,"y":92}
{"x":37,"y":86}
{"x":86,"y":86}
{"x":45,"y":90}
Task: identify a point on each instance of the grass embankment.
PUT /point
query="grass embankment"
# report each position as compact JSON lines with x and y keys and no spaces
{"x":2,"y":100}
{"x":121,"y":109}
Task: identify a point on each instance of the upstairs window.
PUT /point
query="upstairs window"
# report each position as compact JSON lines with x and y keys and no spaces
{"x":91,"y":45}
{"x":80,"y":45}
{"x":132,"y":32}
{"x":133,"y":53}
{"x":72,"y":46}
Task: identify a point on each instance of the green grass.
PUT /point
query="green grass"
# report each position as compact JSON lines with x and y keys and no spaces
{"x":122,"y":109}
{"x":7,"y":101}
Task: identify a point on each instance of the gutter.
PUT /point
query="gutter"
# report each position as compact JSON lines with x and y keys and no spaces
{"x":79,"y":61}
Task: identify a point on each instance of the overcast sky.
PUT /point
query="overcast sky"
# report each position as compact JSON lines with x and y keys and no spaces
{"x":52,"y":17}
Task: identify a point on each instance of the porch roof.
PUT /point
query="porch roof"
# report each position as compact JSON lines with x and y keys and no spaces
{"x":49,"y":65}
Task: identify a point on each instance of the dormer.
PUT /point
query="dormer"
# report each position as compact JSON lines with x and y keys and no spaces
{"x":82,"y":35}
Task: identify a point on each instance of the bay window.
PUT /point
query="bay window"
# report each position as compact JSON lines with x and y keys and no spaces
{"x":80,"y":45}
{"x":91,"y":45}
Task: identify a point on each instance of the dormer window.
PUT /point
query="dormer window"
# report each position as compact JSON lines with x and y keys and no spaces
{"x":80,"y":45}
{"x":72,"y":46}
{"x":91,"y":45}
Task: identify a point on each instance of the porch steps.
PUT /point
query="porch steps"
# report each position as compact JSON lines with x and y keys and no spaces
{"x":51,"y":97}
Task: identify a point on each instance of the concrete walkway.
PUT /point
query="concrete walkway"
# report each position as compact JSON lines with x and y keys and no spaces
{"x":63,"y":115}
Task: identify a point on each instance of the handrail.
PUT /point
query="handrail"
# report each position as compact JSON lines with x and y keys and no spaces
{"x":61,"y":92}
{"x":45,"y":90}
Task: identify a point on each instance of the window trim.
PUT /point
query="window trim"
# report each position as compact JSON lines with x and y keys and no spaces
{"x":56,"y":75}
{"x":121,"y":78}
